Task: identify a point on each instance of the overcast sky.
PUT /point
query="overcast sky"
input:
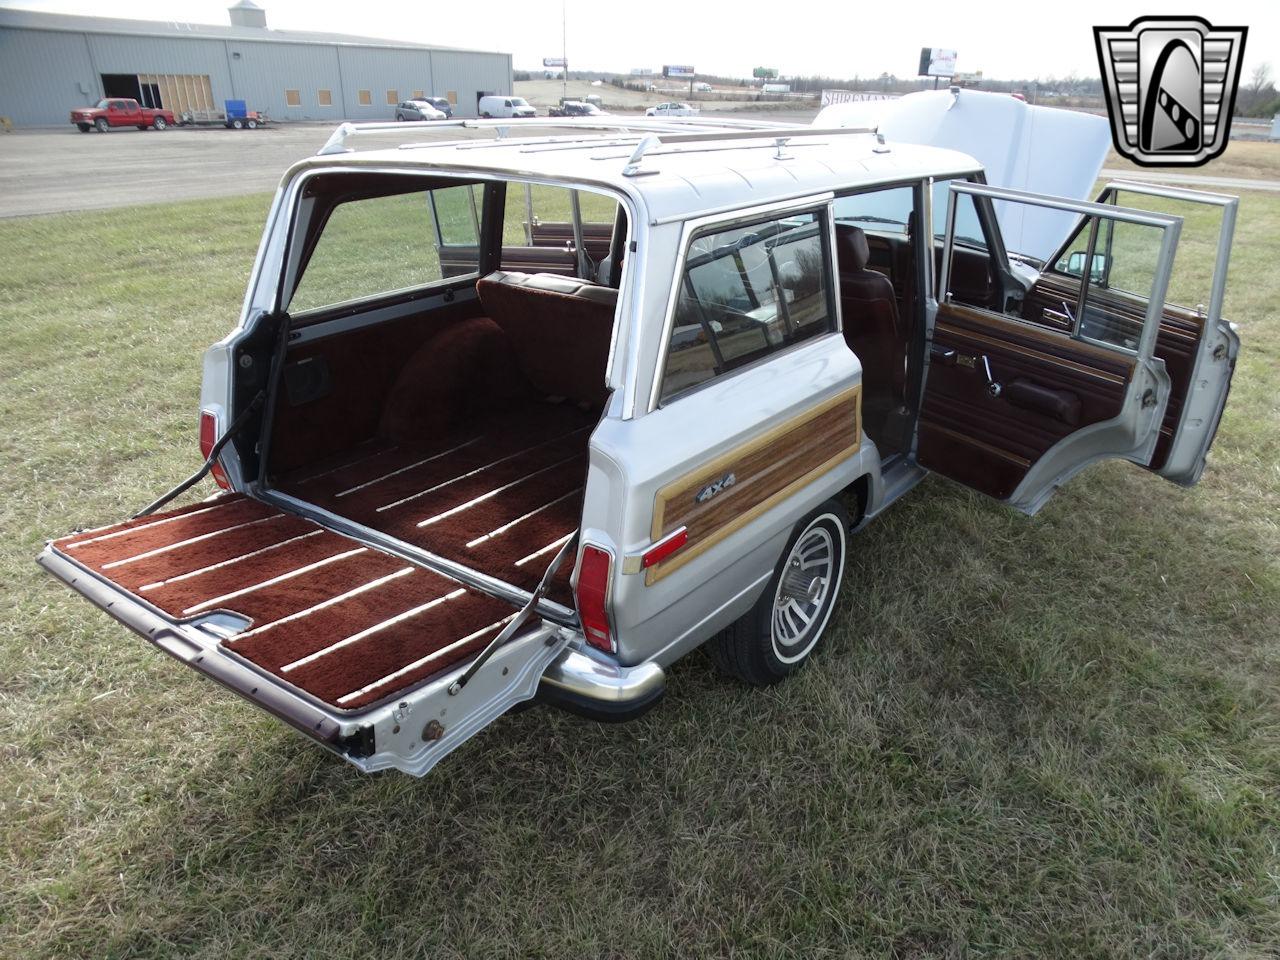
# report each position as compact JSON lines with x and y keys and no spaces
{"x":1030,"y":39}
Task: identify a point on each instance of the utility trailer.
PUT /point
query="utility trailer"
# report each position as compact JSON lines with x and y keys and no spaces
{"x":235,"y":115}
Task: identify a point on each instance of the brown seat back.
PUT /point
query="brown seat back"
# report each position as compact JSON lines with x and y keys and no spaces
{"x":560,"y":329}
{"x":869,"y":310}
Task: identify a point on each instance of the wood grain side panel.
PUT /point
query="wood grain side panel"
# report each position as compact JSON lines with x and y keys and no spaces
{"x":766,"y":470}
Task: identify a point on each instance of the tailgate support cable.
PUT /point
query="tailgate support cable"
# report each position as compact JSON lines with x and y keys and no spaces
{"x":200,"y":474}
{"x":519,"y":619}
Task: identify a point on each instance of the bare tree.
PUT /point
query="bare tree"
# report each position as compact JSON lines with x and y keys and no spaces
{"x":1259,"y":80}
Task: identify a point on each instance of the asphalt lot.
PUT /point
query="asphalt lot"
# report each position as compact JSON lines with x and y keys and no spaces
{"x":54,"y":170}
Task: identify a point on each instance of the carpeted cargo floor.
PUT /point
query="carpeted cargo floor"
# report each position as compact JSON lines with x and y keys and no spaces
{"x":499,"y":496}
{"x":348,"y":624}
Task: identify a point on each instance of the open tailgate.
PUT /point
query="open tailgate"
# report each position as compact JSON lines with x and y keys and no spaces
{"x":352,"y":645}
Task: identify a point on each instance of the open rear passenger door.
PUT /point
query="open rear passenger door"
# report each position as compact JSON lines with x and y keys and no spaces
{"x":1013,"y":408}
{"x":1197,"y":345}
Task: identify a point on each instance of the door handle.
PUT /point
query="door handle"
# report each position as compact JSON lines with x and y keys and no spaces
{"x":994,"y":388}
{"x":943,"y":356}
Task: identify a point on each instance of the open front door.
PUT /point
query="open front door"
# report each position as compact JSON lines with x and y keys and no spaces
{"x":1197,"y":345}
{"x":1013,"y":408}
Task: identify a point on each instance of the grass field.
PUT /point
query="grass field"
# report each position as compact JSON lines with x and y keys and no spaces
{"x":1023,"y":737}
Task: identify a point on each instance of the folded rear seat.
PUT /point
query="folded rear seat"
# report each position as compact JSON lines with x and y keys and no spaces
{"x":559,"y":328}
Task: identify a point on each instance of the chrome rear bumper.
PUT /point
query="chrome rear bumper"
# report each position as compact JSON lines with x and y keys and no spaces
{"x":578,"y":682}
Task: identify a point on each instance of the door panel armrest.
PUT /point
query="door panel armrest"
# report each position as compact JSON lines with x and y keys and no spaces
{"x":1060,"y":404}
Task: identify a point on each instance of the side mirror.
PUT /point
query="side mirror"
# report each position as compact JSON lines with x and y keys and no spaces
{"x":1097,"y":270}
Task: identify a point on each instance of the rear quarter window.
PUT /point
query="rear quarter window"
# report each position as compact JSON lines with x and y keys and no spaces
{"x":384,"y":245}
{"x":745,"y":293}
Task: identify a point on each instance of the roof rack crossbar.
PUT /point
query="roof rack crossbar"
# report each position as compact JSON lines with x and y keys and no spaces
{"x":780,"y":135}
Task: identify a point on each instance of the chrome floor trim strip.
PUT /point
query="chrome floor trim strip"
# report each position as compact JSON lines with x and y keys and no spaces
{"x":186,"y":543}
{"x":227,"y":563}
{"x":143,"y":526}
{"x":545,"y":550}
{"x":507,"y":526}
{"x":369,"y":631}
{"x":325,"y":604}
{"x":394,"y":473}
{"x":408,"y":668}
{"x":492,"y":493}
{"x":273,"y":581}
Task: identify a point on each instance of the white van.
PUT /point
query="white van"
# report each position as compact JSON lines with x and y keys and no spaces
{"x":495,"y":106}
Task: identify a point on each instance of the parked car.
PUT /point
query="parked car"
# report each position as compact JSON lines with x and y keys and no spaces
{"x":120,"y":112}
{"x":503,"y":107}
{"x":442,"y":104}
{"x":672,"y":109}
{"x":580,"y":449}
{"x":418,"y":110}
{"x":576,"y":108}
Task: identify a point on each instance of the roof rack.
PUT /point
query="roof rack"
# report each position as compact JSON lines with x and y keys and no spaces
{"x":780,"y":135}
{"x":337,"y":142}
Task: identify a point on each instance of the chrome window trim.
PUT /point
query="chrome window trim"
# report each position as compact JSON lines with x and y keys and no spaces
{"x":736,"y":216}
{"x":1170,"y":227}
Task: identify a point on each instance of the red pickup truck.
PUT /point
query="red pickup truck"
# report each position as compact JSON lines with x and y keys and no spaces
{"x":117,"y":112}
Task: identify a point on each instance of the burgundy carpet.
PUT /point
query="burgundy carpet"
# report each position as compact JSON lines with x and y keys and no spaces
{"x":499,"y":497}
{"x":348,"y":624}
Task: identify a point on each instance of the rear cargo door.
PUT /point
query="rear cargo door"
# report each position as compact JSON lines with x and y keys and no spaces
{"x":353,"y":645}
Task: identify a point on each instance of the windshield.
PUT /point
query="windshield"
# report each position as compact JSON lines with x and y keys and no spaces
{"x":102,"y":104}
{"x":519,"y":102}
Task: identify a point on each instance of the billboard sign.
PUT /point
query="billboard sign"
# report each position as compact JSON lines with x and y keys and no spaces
{"x":554,"y":62}
{"x":937,"y":62}
{"x":677,"y":72}
{"x":765,"y":73}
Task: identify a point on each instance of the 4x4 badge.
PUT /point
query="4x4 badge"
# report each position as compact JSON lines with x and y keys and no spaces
{"x":717,"y":486}
{"x":1170,"y":84}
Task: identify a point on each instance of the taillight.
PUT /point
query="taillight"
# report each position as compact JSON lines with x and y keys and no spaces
{"x":593,"y":597}
{"x":209,"y":437}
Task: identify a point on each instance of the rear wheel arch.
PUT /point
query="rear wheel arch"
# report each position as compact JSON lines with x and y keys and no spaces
{"x":767,"y":643}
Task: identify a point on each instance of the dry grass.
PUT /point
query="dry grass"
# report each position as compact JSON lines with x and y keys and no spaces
{"x":1024,"y":737}
{"x":1258,"y":159}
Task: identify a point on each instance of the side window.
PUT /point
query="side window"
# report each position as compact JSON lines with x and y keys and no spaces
{"x":968,"y":226}
{"x":1098,"y":288}
{"x":540,"y":218}
{"x":1122,"y":272}
{"x":747,"y":292}
{"x":386,"y":245}
{"x":972,"y":276}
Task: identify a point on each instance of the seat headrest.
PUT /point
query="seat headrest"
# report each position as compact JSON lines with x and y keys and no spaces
{"x":852,"y":252}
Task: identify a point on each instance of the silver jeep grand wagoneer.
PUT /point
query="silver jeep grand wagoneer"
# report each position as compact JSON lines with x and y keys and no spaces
{"x":533,"y":417}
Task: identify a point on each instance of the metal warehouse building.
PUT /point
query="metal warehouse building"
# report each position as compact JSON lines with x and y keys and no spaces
{"x":50,"y":63}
